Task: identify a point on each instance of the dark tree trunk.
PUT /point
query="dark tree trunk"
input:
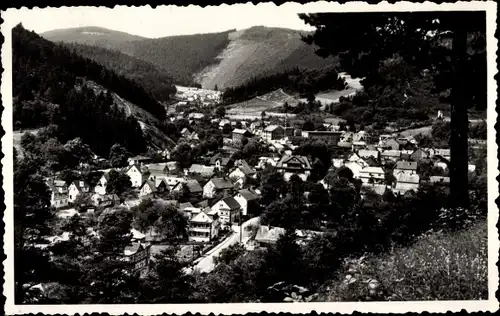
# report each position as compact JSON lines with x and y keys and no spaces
{"x":459,"y":122}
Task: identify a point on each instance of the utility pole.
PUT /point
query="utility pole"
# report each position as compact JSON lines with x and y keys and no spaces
{"x":241,"y":228}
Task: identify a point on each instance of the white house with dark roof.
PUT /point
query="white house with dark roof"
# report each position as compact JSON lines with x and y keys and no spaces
{"x":216,"y":185}
{"x":193,"y":186}
{"x":59,"y":193}
{"x":274,"y":132}
{"x":405,"y":182}
{"x":76,"y":188}
{"x":247,"y":200}
{"x":365,"y":153}
{"x":372,"y":175}
{"x":136,"y":175}
{"x":203,"y":228}
{"x":290,"y":165}
{"x":138,"y":160}
{"x":406,"y":167}
{"x":228,"y":210}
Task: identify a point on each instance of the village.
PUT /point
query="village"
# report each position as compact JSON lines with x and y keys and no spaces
{"x":221,"y":198}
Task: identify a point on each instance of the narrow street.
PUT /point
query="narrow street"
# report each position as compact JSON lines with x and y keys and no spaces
{"x":206,"y":264}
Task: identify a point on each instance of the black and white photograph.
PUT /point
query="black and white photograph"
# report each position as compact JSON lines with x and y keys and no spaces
{"x":170,"y":159}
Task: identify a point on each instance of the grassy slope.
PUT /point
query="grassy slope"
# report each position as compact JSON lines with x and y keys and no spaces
{"x":257,"y":51}
{"x":451,"y":266}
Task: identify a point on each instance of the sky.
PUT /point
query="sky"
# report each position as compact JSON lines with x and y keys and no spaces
{"x":165,"y":20}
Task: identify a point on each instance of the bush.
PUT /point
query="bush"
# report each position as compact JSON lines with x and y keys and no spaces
{"x":450,"y":266}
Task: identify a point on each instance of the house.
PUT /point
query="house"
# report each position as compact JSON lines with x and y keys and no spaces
{"x":204,"y":171}
{"x":76,"y":188}
{"x":173,"y":168}
{"x":329,"y":137}
{"x":407,"y":167}
{"x":337,"y":162}
{"x":405,"y":182}
{"x":139,"y":160}
{"x":390,"y":155}
{"x":173,"y":181}
{"x":166,"y":153}
{"x":203,"y":228}
{"x":228,"y":210}
{"x":107,"y":200}
{"x":137,"y":256}
{"x":299,"y":165}
{"x":439,"y":152}
{"x":365,"y":153}
{"x":194,"y":187}
{"x":378,"y":188}
{"x":223,"y":123}
{"x":59,"y":193}
{"x":265,"y":161}
{"x":186,"y":205}
{"x":158,"y":168}
{"x":152,"y":187}
{"x":372,"y":175}
{"x":239,"y":134}
{"x":242,"y":171}
{"x":358,"y":145}
{"x":274,"y":132}
{"x":100,"y":187}
{"x":248,"y":201}
{"x":356,"y":167}
{"x":267,"y":235}
{"x":256,"y":126}
{"x":419,"y":154}
{"x":216,"y":185}
{"x":136,"y":175}
{"x":392,"y":144}
{"x":439,"y":180}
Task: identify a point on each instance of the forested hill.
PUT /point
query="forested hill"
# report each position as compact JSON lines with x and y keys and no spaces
{"x":226,"y":59}
{"x":54,"y":86}
{"x":91,"y":35}
{"x":153,"y":79}
{"x":295,"y":81}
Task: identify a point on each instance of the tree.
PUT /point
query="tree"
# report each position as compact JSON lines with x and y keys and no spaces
{"x":272,"y":184}
{"x":171,"y":223}
{"x":418,"y":38}
{"x":220,"y":111}
{"x":80,"y":151}
{"x":32,"y":213}
{"x":118,"y":155}
{"x":183,"y":154}
{"x":118,"y":183}
{"x":229,"y":254}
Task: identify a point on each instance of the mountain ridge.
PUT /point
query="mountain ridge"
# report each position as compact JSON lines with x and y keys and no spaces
{"x":223,"y":59}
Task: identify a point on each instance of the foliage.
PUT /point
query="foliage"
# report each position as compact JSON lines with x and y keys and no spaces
{"x":179,"y":56}
{"x":48,"y":77}
{"x":32,"y":214}
{"x":229,"y":254}
{"x":118,"y":183}
{"x":164,"y":218}
{"x":153,"y":79}
{"x":451,"y":266}
{"x":422,"y":41}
